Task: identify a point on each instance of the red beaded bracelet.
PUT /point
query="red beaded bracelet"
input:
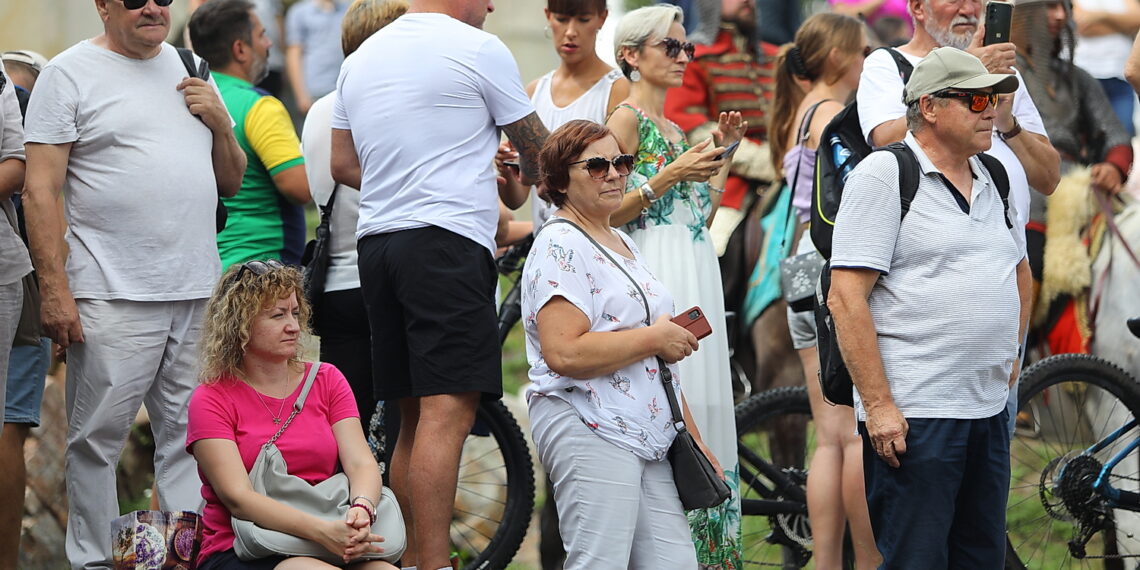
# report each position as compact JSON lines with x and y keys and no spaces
{"x":371,"y":513}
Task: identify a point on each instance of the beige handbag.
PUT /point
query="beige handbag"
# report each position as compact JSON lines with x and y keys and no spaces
{"x":329,"y":499}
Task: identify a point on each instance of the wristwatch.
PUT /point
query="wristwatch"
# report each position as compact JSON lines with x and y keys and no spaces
{"x":1016,"y":130}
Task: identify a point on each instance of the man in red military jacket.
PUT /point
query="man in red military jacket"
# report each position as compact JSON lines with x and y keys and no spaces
{"x":735,"y":73}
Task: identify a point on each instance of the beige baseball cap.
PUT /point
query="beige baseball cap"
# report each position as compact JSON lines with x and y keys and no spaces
{"x":27,"y":56}
{"x":952,"y":68}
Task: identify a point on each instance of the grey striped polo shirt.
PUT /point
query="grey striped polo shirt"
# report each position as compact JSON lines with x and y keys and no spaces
{"x":946,"y":305}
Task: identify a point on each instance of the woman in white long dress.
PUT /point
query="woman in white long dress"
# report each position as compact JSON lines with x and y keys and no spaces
{"x":670,"y":200}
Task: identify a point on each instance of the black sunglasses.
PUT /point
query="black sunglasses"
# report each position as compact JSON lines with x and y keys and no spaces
{"x":136,"y":4}
{"x":978,"y":101}
{"x":674,"y":47}
{"x":599,"y":167}
{"x":255,"y":267}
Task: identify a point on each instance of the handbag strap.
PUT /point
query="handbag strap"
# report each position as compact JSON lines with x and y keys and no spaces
{"x":666,"y":374}
{"x":300,"y":403}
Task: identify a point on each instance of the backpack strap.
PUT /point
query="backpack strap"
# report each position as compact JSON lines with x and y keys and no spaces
{"x":1000,"y":178}
{"x":203,"y":68}
{"x":904,"y":65}
{"x":908,"y":174}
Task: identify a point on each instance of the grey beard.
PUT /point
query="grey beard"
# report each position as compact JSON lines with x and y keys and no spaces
{"x":946,"y":38}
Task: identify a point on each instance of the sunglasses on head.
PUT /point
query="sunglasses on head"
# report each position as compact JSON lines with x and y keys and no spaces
{"x":674,"y":47}
{"x":977,"y":100}
{"x":599,"y":167}
{"x":136,"y":4}
{"x":255,"y":267}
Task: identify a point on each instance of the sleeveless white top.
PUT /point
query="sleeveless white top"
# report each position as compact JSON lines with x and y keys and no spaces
{"x":591,"y":106}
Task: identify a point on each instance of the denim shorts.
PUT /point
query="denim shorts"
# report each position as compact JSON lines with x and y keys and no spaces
{"x":27,"y":371}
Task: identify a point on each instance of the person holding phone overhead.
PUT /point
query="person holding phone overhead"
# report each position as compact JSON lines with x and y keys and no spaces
{"x":670,"y":199}
{"x":598,"y":327}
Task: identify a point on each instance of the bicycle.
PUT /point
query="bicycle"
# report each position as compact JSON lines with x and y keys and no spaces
{"x":494,"y":497}
{"x":774,"y":437}
{"x":1075,"y":475}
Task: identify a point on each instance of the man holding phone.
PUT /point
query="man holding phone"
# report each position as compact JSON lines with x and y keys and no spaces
{"x":1019,"y":139}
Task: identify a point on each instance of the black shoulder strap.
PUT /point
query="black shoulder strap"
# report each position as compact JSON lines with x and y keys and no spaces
{"x":1001,"y":179}
{"x":908,"y":174}
{"x":904,"y":65}
{"x":203,"y":71}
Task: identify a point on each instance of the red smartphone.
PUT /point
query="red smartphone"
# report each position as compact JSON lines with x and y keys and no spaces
{"x":695,"y":322}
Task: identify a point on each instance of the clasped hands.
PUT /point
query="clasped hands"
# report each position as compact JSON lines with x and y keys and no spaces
{"x":352,"y":537}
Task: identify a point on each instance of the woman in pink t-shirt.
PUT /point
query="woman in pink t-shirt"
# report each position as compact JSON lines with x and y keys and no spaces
{"x":252,"y":373}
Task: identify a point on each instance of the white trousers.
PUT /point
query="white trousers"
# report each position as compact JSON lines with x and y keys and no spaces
{"x":135,"y":353}
{"x":615,"y":510}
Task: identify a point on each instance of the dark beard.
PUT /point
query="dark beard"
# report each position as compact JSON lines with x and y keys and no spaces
{"x":746,"y":27}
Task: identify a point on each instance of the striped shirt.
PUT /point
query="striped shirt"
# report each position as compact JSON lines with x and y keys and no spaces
{"x":946,"y":306}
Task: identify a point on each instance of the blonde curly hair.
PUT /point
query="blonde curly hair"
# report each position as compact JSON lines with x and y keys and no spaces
{"x":239,"y":296}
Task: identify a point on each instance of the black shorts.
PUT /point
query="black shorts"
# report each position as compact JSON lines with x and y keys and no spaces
{"x":430,"y":298}
{"x":228,"y":560}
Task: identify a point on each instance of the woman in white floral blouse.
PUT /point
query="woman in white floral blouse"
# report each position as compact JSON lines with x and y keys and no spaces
{"x":598,"y":408}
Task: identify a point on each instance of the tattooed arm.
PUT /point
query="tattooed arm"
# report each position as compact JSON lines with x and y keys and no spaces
{"x":527,"y":135}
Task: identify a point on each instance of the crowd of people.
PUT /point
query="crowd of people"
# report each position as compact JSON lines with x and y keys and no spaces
{"x":161,"y":257}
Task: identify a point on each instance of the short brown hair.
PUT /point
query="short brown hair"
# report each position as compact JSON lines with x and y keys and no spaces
{"x":364,"y":17}
{"x":576,"y":7}
{"x":562,"y":147}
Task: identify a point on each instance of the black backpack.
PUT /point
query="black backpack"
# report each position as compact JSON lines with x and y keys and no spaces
{"x":841,"y":146}
{"x":834,"y":378}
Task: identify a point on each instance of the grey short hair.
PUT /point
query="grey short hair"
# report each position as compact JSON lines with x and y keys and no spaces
{"x":914,"y":120}
{"x":638,"y":26}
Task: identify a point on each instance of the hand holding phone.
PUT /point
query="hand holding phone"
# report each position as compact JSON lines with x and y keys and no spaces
{"x":728,"y":150}
{"x":694,"y":321}
{"x":999,"y":17}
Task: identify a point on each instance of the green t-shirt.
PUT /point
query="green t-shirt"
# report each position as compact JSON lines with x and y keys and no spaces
{"x":262,"y":223}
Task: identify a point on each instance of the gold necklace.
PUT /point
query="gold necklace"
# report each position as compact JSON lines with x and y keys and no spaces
{"x":281,"y":408}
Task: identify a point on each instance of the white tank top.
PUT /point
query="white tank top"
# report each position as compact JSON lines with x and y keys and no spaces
{"x":591,"y":106}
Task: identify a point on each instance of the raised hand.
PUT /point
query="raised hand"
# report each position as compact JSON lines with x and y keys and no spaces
{"x":998,"y":58}
{"x":699,"y":163}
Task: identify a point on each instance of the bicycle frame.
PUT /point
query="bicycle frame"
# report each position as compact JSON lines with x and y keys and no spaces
{"x":1126,"y":500}
{"x":783,"y":486}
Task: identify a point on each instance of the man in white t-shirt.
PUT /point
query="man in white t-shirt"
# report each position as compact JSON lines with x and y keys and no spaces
{"x":1019,"y":138}
{"x":416,"y":125}
{"x":141,"y":153}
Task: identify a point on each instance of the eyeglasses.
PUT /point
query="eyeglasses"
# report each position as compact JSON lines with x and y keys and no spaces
{"x":137,"y":4}
{"x":978,"y":102}
{"x":255,"y":267}
{"x":599,"y":167}
{"x":674,"y":47}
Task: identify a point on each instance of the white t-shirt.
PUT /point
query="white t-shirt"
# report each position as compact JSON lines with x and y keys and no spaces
{"x":1103,"y":56}
{"x":316,"y":145}
{"x":628,"y":407}
{"x":14,"y":260}
{"x":140,"y":193}
{"x":424,"y":98}
{"x":880,"y":99}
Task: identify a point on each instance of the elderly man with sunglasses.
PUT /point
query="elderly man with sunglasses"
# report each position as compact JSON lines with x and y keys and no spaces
{"x":143,"y":152}
{"x":927,"y":314}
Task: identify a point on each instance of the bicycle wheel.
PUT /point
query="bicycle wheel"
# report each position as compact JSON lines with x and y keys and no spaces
{"x":494,"y":497}
{"x":774,"y":439}
{"x":1067,"y":403}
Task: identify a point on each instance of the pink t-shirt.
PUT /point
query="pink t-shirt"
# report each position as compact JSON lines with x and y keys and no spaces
{"x":231,"y":409}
